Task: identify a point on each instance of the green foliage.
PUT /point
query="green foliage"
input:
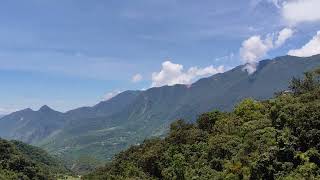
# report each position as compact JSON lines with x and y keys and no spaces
{"x":207,"y":121}
{"x":41,"y":157}
{"x":84,"y":164}
{"x":127,"y":119}
{"x":275,"y":139}
{"x":309,"y":83}
{"x":22,"y":161}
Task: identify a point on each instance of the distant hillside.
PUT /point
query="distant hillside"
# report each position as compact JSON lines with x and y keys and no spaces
{"x":104,"y":108}
{"x":22,"y":161}
{"x":105,"y":129}
{"x":31,"y":126}
{"x":151,"y":112}
{"x":272,"y":139}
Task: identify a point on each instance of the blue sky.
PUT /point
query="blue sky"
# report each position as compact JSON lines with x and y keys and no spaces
{"x":73,"y":53}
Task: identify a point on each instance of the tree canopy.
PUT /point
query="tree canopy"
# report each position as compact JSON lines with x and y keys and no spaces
{"x":274,"y":139}
{"x":22,"y":161}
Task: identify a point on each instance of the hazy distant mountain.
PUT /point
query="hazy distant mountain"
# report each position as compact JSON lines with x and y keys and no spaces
{"x":128,"y":118}
{"x":31,"y":126}
{"x":104,"y":108}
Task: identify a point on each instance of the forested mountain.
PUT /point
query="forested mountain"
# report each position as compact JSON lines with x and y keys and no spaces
{"x":129,"y":118}
{"x":277,"y":138}
{"x":22,"y":161}
{"x":104,"y":108}
{"x":151,"y":112}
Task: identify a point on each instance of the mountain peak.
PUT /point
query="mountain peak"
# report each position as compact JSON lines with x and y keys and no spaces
{"x":45,"y":108}
{"x":27,"y":109}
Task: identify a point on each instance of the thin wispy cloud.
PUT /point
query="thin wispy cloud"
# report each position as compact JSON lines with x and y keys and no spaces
{"x":110,"y":95}
{"x":136,"y":78}
{"x":76,"y":64}
{"x":5,"y":111}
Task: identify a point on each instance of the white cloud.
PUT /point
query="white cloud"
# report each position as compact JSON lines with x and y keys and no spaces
{"x":4,"y":111}
{"x":309,"y":49}
{"x":284,"y":35}
{"x":255,"y":48}
{"x":110,"y":95}
{"x":226,"y":58}
{"x":172,"y":74}
{"x":136,"y":78}
{"x":276,"y":3}
{"x":298,"y":11}
{"x":252,"y":50}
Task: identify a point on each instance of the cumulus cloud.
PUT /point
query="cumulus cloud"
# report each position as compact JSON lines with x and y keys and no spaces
{"x":252,"y":50}
{"x":295,"y":12}
{"x":309,"y":49}
{"x":256,"y":47}
{"x":172,"y":74}
{"x":110,"y":95}
{"x":298,"y":11}
{"x":284,"y":35}
{"x":136,"y":78}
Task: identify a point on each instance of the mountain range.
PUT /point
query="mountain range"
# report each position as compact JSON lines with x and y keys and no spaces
{"x":111,"y":126}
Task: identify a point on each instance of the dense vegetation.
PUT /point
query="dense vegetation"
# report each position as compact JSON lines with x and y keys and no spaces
{"x":103,"y":130}
{"x":273,"y":139}
{"x":22,"y":161}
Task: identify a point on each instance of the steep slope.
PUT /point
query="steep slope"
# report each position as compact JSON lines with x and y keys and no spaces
{"x":54,"y":164}
{"x":152,"y":111}
{"x":22,"y":161}
{"x":103,"y":108}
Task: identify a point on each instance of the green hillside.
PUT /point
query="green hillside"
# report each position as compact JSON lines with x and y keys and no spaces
{"x":151,"y":112}
{"x":22,"y":161}
{"x":87,"y":136}
{"x":278,"y":138}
